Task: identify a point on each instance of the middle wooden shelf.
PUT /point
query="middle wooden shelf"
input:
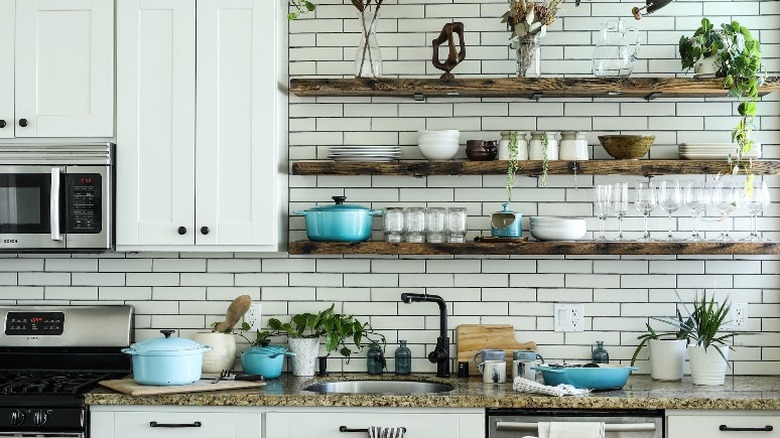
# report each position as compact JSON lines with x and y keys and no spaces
{"x":527,"y":167}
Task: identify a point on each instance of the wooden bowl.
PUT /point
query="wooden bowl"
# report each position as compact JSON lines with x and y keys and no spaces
{"x":627,"y":147}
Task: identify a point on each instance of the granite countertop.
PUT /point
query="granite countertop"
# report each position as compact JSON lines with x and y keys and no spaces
{"x":641,"y":392}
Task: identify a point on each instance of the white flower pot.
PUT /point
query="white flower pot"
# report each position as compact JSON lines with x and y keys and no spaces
{"x":667,"y":359}
{"x":706,"y":67}
{"x":707,"y":366}
{"x":306,"y":351}
{"x":222,"y":355}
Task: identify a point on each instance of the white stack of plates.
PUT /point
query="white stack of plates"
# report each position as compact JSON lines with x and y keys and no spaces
{"x":558,"y":228}
{"x":439,"y":145}
{"x":364,"y":153}
{"x":715,"y":151}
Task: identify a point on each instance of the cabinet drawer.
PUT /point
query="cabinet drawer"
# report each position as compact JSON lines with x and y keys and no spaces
{"x":727,"y":426}
{"x":186,"y":424}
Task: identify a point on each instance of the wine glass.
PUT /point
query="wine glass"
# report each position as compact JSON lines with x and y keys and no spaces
{"x":696,"y":196}
{"x":669,"y":199}
{"x":725,"y":198}
{"x":602,"y":205}
{"x":645,"y":202}
{"x":620,"y":204}
{"x":755,"y":198}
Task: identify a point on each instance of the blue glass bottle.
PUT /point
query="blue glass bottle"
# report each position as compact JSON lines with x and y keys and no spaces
{"x":403,"y":359}
{"x":375,"y":359}
{"x":599,"y":354}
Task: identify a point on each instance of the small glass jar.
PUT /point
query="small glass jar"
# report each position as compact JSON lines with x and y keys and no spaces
{"x":403,"y":359}
{"x":414,"y":224}
{"x":375,"y":359}
{"x":599,"y":354}
{"x":394,"y":224}
{"x":435,"y":224}
{"x":457,"y":224}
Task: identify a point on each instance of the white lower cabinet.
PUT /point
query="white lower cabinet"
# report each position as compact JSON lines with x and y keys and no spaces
{"x":352,"y":422}
{"x":722,"y":424}
{"x":175,"y":422}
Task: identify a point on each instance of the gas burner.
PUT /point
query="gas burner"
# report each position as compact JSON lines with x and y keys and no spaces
{"x":55,"y":382}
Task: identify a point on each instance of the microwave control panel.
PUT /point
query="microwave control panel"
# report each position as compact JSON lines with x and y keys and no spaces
{"x":34,"y":323}
{"x":84,"y":197}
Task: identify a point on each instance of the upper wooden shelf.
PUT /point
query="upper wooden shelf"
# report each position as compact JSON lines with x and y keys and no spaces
{"x":637,"y":87}
{"x":306,"y":247}
{"x":588,"y":167}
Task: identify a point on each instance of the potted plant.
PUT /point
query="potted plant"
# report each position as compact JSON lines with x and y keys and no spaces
{"x":301,"y":7}
{"x":305,"y":330}
{"x":667,"y":349}
{"x":736,"y":57}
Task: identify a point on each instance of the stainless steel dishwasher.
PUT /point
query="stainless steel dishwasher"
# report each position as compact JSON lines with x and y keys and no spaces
{"x":629,"y":423}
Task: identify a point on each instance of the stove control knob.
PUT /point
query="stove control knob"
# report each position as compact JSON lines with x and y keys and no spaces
{"x":39,"y":418}
{"x":17,"y":417}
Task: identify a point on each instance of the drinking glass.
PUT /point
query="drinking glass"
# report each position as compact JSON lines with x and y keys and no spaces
{"x":602,"y":204}
{"x":725,"y":198}
{"x":645,"y":202}
{"x":696,"y":196}
{"x":669,"y":199}
{"x":414,"y":224}
{"x":755,"y":198}
{"x":620,"y":204}
{"x":434,"y":224}
{"x":456,"y":225}
{"x":394,"y":224}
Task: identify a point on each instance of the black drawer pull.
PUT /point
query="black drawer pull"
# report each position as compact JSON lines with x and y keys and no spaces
{"x":725,"y":428}
{"x":156,"y":424}
{"x":346,"y":429}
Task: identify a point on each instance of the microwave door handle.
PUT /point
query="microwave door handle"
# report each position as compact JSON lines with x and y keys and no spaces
{"x":54,"y":204}
{"x":614,"y":427}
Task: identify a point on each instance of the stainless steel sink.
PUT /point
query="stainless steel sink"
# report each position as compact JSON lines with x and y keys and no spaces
{"x":379,"y":387}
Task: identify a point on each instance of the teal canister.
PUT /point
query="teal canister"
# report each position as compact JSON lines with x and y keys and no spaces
{"x":403,"y":359}
{"x":506,"y":223}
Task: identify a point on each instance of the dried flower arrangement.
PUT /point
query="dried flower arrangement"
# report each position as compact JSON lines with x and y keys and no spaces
{"x":527,"y":18}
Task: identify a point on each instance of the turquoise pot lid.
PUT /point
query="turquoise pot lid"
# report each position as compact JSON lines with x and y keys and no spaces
{"x":166,"y":345}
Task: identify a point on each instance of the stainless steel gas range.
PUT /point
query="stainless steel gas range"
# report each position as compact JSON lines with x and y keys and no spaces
{"x":50,"y":356}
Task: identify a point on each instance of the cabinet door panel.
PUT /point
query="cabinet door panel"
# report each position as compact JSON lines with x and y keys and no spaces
{"x":236,"y":137}
{"x":7,"y":68}
{"x":64,"y":68}
{"x":222,"y":425}
{"x":707,"y":426}
{"x":155,"y":121}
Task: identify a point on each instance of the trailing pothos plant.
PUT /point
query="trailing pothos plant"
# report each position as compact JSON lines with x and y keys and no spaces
{"x":513,"y":165}
{"x":301,"y":7}
{"x":739,"y":64}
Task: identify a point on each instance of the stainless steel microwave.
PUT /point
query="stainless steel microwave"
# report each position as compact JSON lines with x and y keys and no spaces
{"x":56,"y":197}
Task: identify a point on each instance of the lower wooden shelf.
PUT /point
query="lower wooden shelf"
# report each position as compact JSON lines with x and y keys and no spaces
{"x":307,"y":247}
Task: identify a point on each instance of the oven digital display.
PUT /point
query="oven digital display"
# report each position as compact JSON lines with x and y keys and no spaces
{"x":34,"y":323}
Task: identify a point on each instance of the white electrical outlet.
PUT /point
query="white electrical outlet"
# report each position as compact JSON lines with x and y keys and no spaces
{"x":252,"y":317}
{"x":737,"y":317}
{"x":569,"y":317}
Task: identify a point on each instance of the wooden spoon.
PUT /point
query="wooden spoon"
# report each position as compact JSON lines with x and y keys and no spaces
{"x":235,"y":311}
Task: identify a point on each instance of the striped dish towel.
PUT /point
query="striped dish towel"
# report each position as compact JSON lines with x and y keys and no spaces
{"x":386,"y":432}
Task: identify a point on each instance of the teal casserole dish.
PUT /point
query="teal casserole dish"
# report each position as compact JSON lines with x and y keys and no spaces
{"x":601,"y":377}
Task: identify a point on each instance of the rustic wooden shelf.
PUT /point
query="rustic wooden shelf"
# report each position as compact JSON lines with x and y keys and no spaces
{"x":636,"y":87}
{"x":307,"y":247}
{"x":558,"y":167}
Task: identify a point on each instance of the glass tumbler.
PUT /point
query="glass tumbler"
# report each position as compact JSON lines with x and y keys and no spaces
{"x":434,"y":224}
{"x":456,"y":225}
{"x":394,"y":224}
{"x":414,"y":220}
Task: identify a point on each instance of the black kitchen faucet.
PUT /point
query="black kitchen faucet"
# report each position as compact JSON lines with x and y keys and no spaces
{"x":441,"y":355}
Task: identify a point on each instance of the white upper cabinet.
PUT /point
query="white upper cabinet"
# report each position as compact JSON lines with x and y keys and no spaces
{"x":63,"y":61}
{"x":199,"y":125}
{"x":7,"y":68}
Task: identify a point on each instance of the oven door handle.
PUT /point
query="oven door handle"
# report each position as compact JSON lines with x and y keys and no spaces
{"x":54,"y":204}
{"x":614,"y":427}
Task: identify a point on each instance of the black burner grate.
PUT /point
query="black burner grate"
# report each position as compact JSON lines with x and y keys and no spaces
{"x":50,"y":382}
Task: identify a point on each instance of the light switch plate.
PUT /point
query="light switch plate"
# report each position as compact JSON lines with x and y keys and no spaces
{"x":569,"y":317}
{"x":736,"y":320}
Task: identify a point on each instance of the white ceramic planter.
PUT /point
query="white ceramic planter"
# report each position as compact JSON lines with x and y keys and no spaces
{"x":306,"y":351}
{"x":708,"y":367}
{"x":667,"y":359}
{"x":222,"y":355}
{"x":706,"y":67}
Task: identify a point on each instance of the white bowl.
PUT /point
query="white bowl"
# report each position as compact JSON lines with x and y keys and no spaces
{"x":570,"y":233}
{"x":439,"y":133}
{"x":441,"y":151}
{"x":437,"y":141}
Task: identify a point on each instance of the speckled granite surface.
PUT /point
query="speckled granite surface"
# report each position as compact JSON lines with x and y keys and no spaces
{"x":740,"y":392}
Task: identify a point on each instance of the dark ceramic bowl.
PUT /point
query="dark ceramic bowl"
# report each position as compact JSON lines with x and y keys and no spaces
{"x":482,"y":154}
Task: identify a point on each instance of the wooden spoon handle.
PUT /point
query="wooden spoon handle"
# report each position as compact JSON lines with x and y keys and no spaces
{"x":235,"y":311}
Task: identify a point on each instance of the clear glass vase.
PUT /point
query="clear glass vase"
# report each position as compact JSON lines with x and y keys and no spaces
{"x":528,"y":57}
{"x":368,"y":58}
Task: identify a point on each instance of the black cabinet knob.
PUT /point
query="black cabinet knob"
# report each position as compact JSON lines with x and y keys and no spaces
{"x":204,"y":230}
{"x":182,"y":230}
{"x":23,"y":123}
{"x":2,"y":123}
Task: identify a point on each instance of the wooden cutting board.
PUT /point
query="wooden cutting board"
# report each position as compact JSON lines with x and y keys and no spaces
{"x":130,"y":387}
{"x":471,"y":338}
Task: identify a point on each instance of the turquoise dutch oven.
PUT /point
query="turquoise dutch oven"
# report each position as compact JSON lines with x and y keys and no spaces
{"x":338,"y":223}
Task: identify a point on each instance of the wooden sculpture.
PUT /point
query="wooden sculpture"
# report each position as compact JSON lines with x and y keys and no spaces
{"x":453,"y":58}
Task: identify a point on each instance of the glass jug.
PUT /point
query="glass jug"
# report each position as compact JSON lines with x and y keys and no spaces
{"x":613,"y":56}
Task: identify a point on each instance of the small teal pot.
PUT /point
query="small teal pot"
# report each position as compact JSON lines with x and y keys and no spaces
{"x":267,"y":360}
{"x":506,"y":223}
{"x":338,"y":223}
